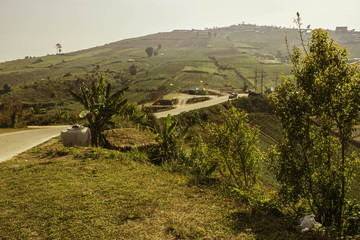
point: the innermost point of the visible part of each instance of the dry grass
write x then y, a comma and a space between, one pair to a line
10, 130
52, 192
127, 138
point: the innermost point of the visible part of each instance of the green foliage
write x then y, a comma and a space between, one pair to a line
6, 88
233, 144
202, 165
352, 219
254, 104
318, 113
10, 113
100, 108
167, 149
149, 51
58, 48
133, 70
37, 109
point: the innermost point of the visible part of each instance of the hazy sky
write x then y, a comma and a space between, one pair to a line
33, 27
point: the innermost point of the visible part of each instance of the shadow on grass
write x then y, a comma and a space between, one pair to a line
268, 225
258, 222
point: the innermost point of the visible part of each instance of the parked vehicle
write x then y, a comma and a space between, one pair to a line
233, 95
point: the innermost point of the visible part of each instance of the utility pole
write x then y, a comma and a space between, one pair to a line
262, 80
255, 81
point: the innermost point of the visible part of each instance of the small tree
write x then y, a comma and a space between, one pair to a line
133, 70
233, 144
159, 46
7, 88
58, 47
149, 51
12, 110
318, 112
100, 108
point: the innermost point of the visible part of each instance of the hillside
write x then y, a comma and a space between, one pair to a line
185, 59
57, 192
52, 192
236, 57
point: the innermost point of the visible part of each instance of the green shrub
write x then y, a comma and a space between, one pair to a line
233, 145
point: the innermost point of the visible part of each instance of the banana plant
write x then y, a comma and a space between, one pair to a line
167, 149
100, 108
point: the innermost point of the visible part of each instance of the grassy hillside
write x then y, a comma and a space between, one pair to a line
239, 56
52, 192
185, 60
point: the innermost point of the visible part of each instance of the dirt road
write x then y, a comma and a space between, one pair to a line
184, 108
14, 143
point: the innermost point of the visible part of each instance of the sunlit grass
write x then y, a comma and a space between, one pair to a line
52, 192
10, 130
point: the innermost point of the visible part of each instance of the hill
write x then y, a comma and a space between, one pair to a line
238, 56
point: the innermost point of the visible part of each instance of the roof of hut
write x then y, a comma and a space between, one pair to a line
127, 138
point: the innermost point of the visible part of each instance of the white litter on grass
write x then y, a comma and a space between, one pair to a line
308, 222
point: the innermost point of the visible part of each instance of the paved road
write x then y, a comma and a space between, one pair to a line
189, 107
14, 143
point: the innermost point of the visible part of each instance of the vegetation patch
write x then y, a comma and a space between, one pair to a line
196, 100
95, 193
200, 70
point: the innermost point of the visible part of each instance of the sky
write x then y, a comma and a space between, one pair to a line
34, 27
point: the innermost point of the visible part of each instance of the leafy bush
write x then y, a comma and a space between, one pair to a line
232, 144
201, 163
167, 149
100, 108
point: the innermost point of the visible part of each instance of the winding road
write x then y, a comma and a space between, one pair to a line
14, 143
185, 108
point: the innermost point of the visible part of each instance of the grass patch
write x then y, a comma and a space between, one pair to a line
91, 193
196, 100
10, 130
201, 70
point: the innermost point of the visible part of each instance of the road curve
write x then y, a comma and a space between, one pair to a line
14, 143
189, 107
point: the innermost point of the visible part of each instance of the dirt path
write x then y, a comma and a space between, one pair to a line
188, 107
14, 143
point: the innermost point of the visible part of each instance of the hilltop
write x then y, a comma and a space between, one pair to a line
238, 57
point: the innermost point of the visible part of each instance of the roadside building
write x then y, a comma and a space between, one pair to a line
341, 30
